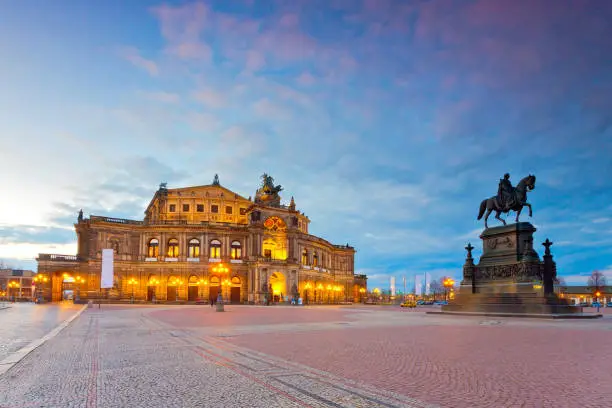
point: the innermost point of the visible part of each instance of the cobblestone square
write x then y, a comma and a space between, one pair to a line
250, 356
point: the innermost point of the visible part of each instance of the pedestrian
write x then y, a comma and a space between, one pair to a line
212, 301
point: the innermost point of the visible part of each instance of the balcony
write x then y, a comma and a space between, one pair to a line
95, 219
58, 258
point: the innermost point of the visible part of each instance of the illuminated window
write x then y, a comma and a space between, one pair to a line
304, 257
214, 208
228, 209
243, 211
315, 260
153, 248
173, 248
185, 207
200, 207
267, 253
236, 250
215, 249
172, 208
194, 248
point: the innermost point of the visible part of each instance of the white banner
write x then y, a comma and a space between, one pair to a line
106, 280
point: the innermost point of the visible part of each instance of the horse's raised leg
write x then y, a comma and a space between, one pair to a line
518, 213
497, 216
528, 205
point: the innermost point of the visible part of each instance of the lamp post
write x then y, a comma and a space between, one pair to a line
132, 282
361, 293
13, 285
220, 270
448, 283
78, 281
597, 295
39, 280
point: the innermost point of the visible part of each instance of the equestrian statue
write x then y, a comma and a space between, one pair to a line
508, 198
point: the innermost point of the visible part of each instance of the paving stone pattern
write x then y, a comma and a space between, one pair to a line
186, 356
21, 323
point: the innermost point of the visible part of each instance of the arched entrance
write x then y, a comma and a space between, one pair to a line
192, 288
152, 288
279, 286
67, 287
213, 288
235, 290
171, 288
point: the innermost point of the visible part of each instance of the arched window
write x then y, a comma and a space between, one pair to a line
153, 248
315, 260
194, 248
305, 257
215, 249
236, 252
173, 248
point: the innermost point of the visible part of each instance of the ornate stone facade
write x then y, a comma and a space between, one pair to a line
174, 253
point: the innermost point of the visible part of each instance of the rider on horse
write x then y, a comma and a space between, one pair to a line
505, 193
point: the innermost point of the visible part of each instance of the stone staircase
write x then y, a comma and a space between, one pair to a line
513, 303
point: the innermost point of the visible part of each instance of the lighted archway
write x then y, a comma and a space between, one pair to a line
279, 284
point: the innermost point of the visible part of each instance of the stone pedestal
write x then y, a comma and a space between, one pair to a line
509, 263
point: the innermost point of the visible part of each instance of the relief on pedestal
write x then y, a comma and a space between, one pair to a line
500, 242
519, 272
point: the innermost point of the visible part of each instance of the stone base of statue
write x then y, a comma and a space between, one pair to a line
510, 279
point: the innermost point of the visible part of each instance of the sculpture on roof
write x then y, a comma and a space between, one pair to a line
508, 198
267, 194
216, 180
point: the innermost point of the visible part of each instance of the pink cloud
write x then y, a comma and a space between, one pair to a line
194, 50
306, 78
254, 60
266, 108
289, 20
210, 98
132, 55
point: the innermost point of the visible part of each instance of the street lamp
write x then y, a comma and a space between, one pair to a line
13, 285
39, 280
78, 281
220, 270
132, 282
448, 283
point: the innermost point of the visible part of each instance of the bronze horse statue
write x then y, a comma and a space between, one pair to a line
519, 195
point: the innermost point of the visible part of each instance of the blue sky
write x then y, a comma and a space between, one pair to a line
388, 121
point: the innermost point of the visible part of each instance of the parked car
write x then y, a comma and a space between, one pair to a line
596, 304
409, 303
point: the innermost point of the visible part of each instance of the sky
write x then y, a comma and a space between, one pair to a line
388, 121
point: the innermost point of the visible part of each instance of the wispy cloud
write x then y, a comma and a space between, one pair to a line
132, 55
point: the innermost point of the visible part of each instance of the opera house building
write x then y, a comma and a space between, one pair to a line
196, 241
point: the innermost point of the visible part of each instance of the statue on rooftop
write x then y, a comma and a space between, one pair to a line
216, 180
508, 198
267, 194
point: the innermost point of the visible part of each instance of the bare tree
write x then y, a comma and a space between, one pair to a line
436, 287
597, 281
